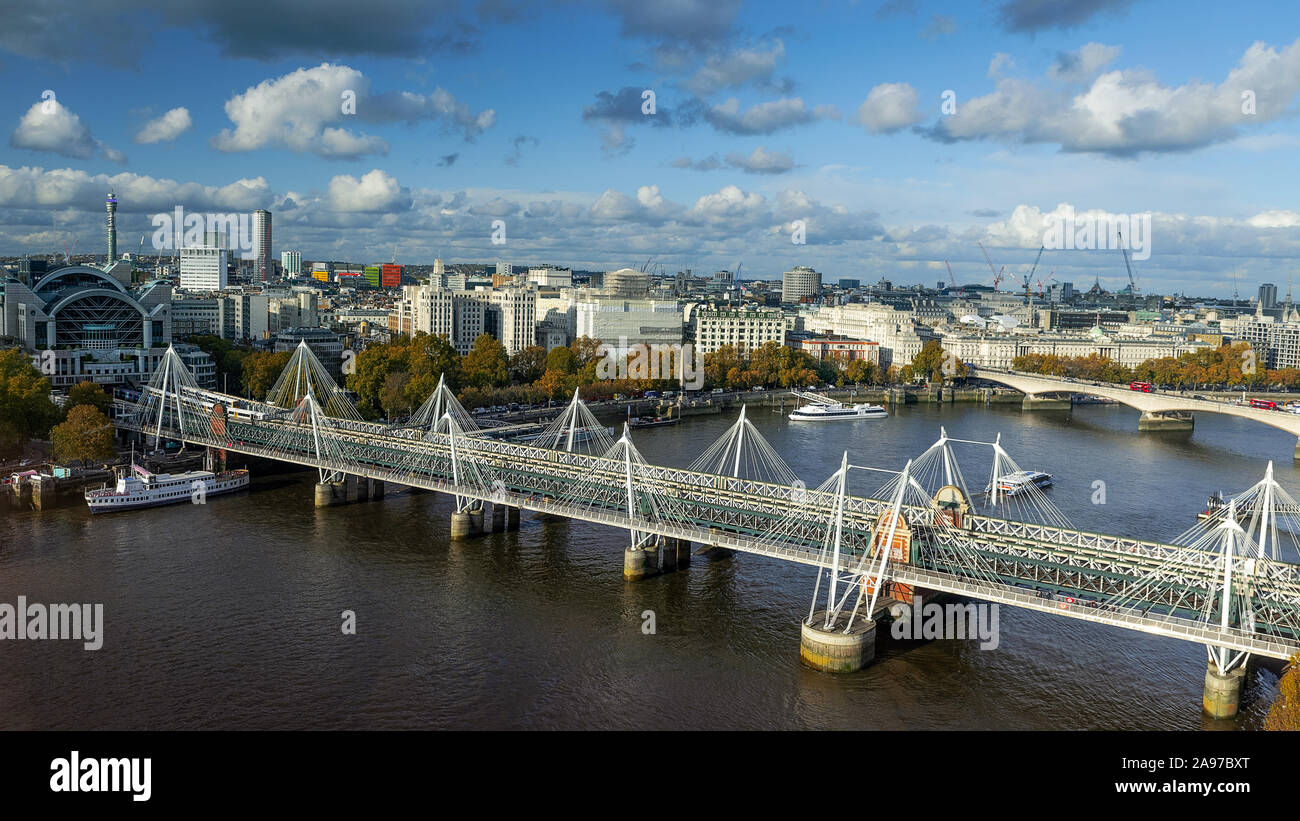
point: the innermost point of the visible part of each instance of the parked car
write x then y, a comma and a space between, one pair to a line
717, 391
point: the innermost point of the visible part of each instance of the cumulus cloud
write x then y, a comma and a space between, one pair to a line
35, 187
616, 111
766, 118
165, 128
376, 192
737, 68
1084, 64
761, 161
51, 126
889, 107
1124, 113
306, 110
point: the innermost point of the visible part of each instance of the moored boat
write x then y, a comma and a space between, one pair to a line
137, 488
824, 409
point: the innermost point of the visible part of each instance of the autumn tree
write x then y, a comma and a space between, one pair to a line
26, 411
88, 393
486, 364
528, 365
261, 369
86, 436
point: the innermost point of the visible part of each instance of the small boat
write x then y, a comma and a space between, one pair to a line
137, 488
824, 409
652, 421
1014, 484
1214, 508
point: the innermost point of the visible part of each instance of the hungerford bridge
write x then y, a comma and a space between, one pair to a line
1221, 584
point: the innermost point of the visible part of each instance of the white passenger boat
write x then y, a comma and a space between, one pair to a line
1013, 484
139, 488
824, 409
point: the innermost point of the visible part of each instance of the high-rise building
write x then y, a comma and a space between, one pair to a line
800, 283
110, 205
203, 268
262, 245
291, 262
1268, 295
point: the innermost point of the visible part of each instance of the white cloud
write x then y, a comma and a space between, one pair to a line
889, 107
376, 191
766, 118
1128, 112
165, 128
761, 161
308, 111
1084, 64
51, 126
736, 69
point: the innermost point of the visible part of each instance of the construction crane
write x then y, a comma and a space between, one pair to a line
997, 275
646, 267
1041, 283
1132, 284
1029, 277
956, 291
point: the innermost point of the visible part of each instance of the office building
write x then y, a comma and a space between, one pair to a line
262, 260
800, 284
291, 263
203, 268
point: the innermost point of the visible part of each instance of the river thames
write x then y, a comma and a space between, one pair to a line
227, 615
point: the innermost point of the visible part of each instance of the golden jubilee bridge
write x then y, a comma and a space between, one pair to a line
1227, 583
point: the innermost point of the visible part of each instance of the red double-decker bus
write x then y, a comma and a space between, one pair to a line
1266, 404
1145, 387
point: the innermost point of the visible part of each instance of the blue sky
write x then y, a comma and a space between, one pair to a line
767, 113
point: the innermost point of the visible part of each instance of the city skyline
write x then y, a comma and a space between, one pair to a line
368, 144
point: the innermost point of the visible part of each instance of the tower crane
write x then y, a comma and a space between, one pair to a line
997, 275
1132, 284
1030, 276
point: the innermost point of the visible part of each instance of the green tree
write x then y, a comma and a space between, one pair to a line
86, 436
528, 365
88, 393
486, 364
260, 371
26, 411
561, 360
431, 358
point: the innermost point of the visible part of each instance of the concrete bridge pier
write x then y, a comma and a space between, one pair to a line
462, 525
640, 562
512, 518
1223, 692
833, 650
329, 494
1165, 420
498, 517
476, 521
363, 488
1044, 401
